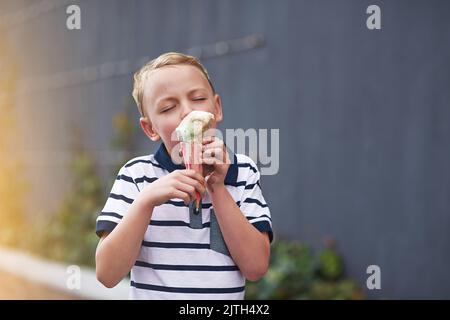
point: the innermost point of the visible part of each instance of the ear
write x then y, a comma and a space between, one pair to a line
218, 108
147, 126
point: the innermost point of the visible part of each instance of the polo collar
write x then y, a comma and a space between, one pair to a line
164, 159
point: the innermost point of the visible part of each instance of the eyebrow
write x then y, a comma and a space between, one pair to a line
197, 89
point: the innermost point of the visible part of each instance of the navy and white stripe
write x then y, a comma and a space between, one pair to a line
175, 260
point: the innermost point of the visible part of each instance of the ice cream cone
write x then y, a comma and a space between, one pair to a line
190, 133
191, 152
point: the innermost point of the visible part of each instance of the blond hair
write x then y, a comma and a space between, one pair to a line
166, 59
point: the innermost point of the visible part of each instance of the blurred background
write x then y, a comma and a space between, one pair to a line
364, 119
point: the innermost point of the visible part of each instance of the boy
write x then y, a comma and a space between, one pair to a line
147, 225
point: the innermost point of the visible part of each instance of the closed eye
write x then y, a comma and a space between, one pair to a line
199, 99
167, 109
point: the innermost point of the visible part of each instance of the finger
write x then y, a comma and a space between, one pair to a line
189, 173
213, 144
218, 146
216, 149
199, 186
183, 196
188, 189
211, 161
216, 153
208, 139
212, 153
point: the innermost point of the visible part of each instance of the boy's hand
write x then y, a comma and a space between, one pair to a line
215, 157
181, 184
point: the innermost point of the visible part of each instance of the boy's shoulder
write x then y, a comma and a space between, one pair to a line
242, 158
246, 165
140, 164
139, 160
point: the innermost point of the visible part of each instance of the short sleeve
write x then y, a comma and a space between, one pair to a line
253, 205
122, 195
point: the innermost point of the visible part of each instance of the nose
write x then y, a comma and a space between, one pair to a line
185, 109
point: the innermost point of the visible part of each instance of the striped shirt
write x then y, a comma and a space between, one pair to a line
178, 260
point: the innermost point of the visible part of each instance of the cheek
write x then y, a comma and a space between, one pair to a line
168, 131
211, 106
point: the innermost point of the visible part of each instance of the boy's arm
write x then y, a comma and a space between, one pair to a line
118, 250
249, 247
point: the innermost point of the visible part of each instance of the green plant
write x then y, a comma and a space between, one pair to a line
68, 235
297, 273
124, 139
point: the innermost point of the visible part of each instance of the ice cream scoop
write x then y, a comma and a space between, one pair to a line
192, 127
190, 134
